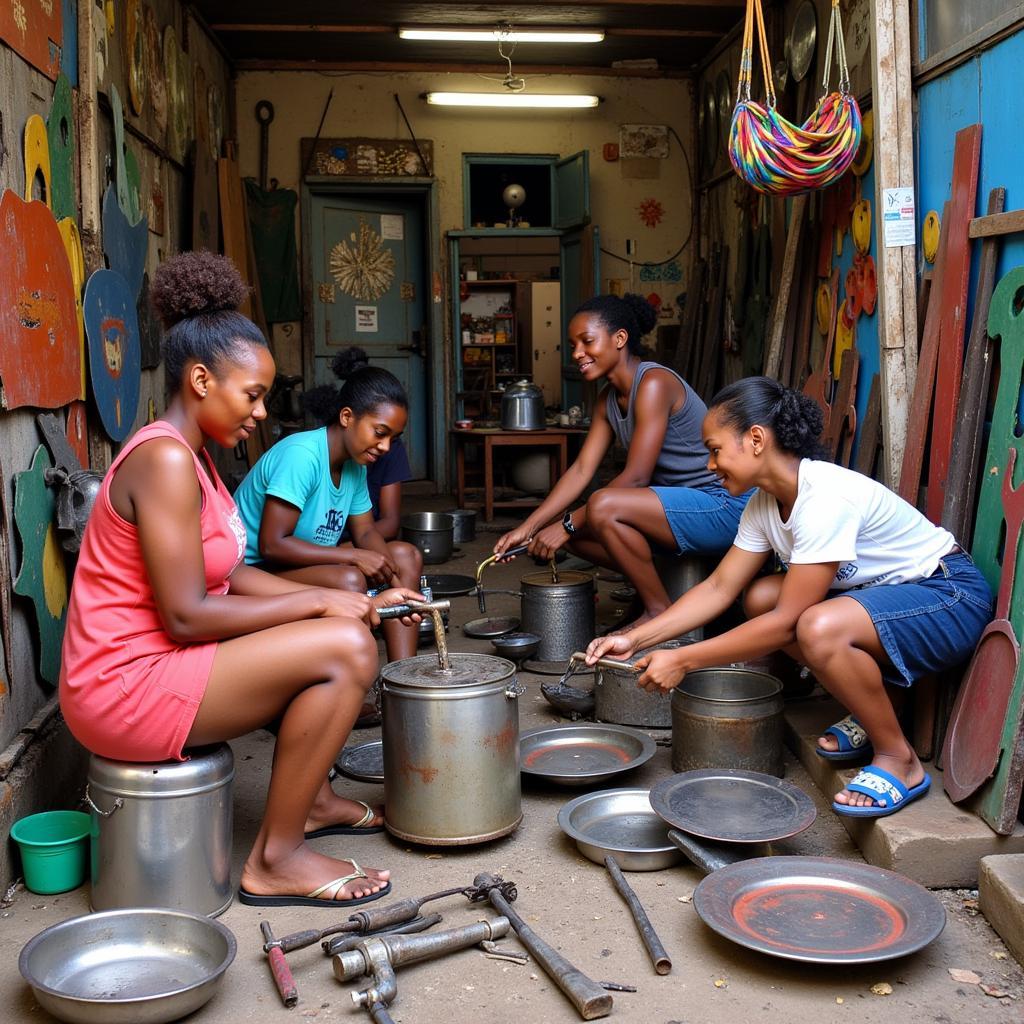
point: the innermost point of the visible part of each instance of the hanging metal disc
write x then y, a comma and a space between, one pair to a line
709, 128
723, 102
802, 38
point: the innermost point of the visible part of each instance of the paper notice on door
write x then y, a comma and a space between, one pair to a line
897, 217
366, 319
392, 226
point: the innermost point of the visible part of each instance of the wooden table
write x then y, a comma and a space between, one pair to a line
555, 439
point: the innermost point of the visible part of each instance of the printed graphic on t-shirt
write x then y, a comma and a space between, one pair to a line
237, 527
847, 570
328, 532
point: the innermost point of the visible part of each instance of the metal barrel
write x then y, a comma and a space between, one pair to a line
561, 614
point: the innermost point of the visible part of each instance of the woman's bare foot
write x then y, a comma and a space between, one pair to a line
905, 766
302, 871
330, 809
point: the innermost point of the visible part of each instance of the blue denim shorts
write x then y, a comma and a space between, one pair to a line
702, 519
930, 624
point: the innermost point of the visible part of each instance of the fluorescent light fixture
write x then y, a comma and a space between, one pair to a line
510, 99
493, 35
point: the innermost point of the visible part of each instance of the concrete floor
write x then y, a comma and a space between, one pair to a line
570, 902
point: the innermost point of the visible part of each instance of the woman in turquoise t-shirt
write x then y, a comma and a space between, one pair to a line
304, 493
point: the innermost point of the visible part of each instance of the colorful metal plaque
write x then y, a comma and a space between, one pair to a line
112, 330
60, 135
37, 160
125, 244
135, 49
34, 29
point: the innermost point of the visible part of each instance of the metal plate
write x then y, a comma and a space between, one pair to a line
819, 909
620, 822
708, 118
802, 37
723, 101
364, 762
732, 806
544, 668
490, 627
577, 755
450, 585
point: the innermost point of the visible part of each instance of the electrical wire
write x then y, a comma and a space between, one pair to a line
689, 232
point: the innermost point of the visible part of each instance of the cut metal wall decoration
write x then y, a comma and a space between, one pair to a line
652, 213
34, 29
363, 269
360, 156
60, 136
155, 71
135, 50
37, 160
124, 243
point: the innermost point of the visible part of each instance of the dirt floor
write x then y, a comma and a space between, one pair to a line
571, 903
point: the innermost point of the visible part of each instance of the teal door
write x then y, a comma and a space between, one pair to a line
369, 290
581, 280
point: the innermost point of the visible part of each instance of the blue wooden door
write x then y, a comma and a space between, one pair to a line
369, 290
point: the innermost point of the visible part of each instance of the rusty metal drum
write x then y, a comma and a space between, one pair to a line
618, 699
727, 718
451, 749
560, 613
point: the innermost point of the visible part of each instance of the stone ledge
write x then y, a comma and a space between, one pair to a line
1001, 896
932, 840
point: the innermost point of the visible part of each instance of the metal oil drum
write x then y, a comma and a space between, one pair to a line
618, 699
161, 832
561, 614
727, 718
451, 749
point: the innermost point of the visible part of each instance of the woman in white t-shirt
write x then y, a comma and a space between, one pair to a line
873, 594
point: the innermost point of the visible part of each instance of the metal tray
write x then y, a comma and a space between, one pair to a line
819, 909
620, 822
364, 762
732, 806
545, 668
584, 753
490, 627
450, 584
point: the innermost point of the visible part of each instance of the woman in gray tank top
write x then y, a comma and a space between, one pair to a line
665, 497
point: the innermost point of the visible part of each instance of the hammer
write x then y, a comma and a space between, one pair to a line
589, 998
279, 967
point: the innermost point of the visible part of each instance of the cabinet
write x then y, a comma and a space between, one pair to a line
546, 338
489, 336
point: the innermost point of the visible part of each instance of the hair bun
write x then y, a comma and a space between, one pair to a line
196, 284
646, 315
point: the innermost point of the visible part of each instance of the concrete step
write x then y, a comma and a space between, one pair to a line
931, 840
1001, 896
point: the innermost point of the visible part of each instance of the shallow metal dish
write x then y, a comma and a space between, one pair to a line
138, 966
733, 806
490, 627
620, 822
450, 584
364, 762
819, 910
516, 645
584, 753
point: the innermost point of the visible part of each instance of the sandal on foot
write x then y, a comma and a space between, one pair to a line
888, 792
852, 740
362, 827
317, 897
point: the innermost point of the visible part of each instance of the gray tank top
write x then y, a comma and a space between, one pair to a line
683, 460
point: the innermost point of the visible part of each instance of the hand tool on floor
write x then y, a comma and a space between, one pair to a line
589, 998
398, 611
370, 919
659, 956
380, 957
343, 943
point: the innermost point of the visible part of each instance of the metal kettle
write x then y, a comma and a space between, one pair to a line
522, 407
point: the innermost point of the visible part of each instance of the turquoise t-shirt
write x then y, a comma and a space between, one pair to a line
298, 470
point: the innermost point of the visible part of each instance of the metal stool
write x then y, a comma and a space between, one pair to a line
161, 832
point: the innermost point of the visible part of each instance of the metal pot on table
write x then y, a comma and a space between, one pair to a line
522, 407
432, 532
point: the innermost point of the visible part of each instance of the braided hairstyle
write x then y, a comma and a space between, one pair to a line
793, 417
366, 389
631, 313
196, 295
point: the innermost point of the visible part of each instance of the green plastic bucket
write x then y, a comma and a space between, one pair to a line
54, 850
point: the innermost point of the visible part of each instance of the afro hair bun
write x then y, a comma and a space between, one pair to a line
194, 284
646, 315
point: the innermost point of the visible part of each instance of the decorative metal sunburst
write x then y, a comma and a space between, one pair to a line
364, 269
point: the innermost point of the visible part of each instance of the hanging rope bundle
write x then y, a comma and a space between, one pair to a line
773, 155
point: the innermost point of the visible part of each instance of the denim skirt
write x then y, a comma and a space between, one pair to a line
931, 624
703, 520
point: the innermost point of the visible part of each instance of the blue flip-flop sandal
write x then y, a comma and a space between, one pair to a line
852, 740
888, 792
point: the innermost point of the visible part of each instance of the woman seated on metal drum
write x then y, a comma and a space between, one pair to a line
665, 497
303, 494
172, 641
873, 595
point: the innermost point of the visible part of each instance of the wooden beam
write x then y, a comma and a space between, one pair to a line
894, 168
486, 69
1009, 223
784, 292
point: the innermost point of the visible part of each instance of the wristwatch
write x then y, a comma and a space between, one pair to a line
567, 523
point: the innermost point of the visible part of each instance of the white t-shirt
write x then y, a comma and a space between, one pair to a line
846, 517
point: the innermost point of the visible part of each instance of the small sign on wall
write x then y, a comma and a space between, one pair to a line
898, 217
366, 319
392, 226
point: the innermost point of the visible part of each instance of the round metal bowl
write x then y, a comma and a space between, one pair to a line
584, 753
620, 822
516, 645
138, 966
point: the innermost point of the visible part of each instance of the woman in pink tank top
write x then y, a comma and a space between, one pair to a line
173, 641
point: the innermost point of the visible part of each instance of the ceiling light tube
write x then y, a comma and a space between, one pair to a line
491, 35
511, 99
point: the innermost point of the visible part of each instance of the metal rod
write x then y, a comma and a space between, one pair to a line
343, 943
398, 611
609, 663
657, 952
412, 135
481, 596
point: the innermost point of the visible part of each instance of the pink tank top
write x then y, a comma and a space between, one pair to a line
127, 690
